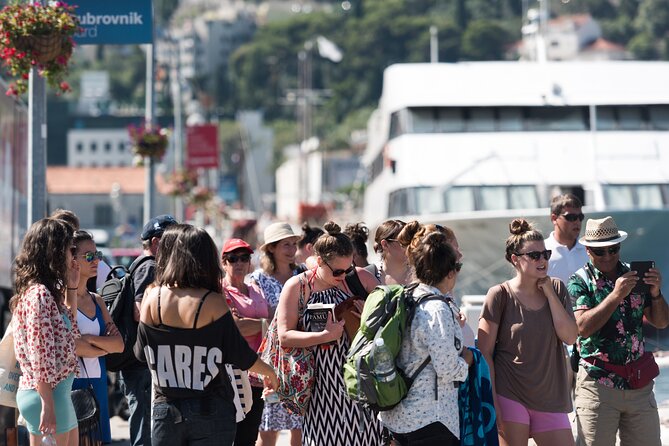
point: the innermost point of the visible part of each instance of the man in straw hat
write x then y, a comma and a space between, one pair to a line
614, 385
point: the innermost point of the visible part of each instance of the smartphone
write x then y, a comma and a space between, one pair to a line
641, 268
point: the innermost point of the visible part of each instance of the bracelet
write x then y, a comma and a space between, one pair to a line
72, 289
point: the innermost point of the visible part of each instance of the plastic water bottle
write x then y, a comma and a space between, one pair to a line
48, 440
384, 363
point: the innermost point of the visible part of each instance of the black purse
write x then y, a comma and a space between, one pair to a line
87, 408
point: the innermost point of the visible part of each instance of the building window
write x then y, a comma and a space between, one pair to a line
107, 147
80, 147
102, 215
121, 146
94, 147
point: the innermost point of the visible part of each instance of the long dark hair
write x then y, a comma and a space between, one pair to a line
43, 259
187, 258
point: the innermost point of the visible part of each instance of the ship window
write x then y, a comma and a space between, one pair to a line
428, 201
523, 197
424, 120
395, 125
398, 203
619, 196
649, 196
659, 117
451, 120
510, 119
459, 199
555, 118
630, 118
481, 120
493, 198
606, 119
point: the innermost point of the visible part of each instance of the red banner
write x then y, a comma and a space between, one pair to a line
202, 146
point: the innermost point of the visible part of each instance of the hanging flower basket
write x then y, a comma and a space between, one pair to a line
201, 196
181, 182
39, 36
148, 141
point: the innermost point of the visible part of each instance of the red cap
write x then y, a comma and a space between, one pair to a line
234, 244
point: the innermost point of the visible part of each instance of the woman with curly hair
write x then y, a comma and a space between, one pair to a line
305, 244
525, 322
358, 233
394, 267
46, 281
331, 418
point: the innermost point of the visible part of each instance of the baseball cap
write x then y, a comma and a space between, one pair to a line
236, 243
156, 226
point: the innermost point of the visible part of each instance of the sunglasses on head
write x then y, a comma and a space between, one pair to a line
612, 250
244, 258
536, 255
90, 256
574, 217
338, 272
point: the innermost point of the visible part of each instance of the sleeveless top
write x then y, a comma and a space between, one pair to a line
90, 367
189, 362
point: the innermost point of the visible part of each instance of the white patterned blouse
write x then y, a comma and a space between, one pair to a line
433, 332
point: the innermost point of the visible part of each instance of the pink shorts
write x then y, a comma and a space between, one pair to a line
515, 412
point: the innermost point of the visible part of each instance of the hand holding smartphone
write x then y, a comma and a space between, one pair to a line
641, 268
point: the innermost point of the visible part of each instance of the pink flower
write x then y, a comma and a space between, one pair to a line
605, 381
620, 327
635, 343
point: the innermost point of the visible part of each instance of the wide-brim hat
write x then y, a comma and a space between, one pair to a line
602, 232
277, 232
234, 244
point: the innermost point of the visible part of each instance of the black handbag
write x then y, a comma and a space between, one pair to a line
88, 414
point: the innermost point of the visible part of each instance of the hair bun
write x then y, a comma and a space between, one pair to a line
519, 226
332, 228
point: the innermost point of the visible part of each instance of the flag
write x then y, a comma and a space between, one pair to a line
328, 50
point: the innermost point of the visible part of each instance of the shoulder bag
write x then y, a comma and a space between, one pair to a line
10, 371
88, 414
294, 366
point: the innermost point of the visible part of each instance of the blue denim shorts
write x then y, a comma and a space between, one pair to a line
205, 421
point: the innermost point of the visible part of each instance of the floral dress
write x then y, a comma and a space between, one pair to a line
274, 417
332, 418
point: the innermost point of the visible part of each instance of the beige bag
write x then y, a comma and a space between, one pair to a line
10, 372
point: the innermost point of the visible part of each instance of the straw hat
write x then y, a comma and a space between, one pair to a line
277, 232
602, 232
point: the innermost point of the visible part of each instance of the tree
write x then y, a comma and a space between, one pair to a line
653, 18
643, 47
485, 40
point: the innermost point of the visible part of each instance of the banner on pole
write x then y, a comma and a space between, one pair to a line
118, 22
202, 146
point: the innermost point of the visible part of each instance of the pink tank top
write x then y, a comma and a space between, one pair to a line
253, 306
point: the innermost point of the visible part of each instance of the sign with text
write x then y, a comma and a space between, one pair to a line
118, 22
202, 146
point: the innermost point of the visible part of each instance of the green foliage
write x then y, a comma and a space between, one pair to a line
643, 47
485, 40
653, 18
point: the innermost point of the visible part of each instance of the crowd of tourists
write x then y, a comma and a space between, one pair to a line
202, 372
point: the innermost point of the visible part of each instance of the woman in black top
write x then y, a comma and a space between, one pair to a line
186, 335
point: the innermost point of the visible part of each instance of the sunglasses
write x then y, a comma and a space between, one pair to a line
339, 272
573, 217
599, 252
244, 258
90, 256
536, 255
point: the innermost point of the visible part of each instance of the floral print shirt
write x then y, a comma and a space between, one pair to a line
432, 397
43, 343
620, 341
270, 287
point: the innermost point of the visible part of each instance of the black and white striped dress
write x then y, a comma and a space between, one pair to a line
333, 419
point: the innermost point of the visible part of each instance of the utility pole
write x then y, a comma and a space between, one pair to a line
149, 162
36, 147
175, 76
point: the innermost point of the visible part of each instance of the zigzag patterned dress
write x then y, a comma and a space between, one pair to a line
332, 419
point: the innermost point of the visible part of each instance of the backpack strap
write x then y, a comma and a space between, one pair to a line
136, 264
355, 285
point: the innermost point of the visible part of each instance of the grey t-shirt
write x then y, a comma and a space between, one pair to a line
530, 364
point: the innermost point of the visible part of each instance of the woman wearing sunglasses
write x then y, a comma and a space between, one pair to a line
331, 417
99, 336
523, 325
46, 281
250, 311
394, 267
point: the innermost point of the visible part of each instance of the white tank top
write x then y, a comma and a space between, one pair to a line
88, 367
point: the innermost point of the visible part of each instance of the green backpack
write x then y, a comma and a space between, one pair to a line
387, 314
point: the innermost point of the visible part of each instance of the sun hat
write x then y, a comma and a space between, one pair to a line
277, 232
156, 226
602, 232
234, 244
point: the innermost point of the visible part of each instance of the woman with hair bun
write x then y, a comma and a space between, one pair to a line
429, 414
305, 244
394, 268
331, 417
358, 233
525, 322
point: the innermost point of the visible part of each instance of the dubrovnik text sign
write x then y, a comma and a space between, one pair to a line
117, 22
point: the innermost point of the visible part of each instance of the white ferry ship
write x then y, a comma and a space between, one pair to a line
473, 145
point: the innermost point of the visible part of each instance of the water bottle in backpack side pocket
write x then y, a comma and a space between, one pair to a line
384, 362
